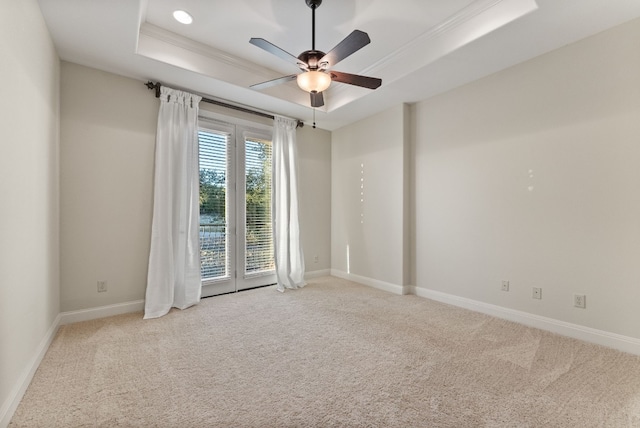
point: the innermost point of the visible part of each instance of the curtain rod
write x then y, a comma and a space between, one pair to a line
156, 86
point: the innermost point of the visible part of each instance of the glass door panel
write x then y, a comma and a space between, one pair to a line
257, 262
216, 241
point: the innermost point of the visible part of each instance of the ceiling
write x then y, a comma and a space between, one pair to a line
419, 48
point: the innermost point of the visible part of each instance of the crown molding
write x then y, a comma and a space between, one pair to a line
470, 23
168, 47
475, 10
181, 42
476, 20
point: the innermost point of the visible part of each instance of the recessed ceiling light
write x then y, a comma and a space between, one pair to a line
182, 17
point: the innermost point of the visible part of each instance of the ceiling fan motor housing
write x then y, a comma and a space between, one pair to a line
311, 60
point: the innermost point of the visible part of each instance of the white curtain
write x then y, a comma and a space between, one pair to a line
173, 279
286, 230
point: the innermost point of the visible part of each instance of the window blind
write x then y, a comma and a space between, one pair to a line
259, 237
214, 236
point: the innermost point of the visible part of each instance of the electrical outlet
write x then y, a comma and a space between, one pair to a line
102, 286
505, 285
537, 293
316, 259
580, 301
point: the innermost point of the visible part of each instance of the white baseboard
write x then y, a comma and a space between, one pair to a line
101, 312
15, 396
317, 273
575, 331
380, 285
11, 404
587, 334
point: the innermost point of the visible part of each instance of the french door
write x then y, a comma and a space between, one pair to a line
236, 246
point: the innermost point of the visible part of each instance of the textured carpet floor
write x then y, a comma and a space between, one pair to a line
331, 354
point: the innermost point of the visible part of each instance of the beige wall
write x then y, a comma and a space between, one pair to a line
29, 188
108, 128
531, 175
369, 199
314, 171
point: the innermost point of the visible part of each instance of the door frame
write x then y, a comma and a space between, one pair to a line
238, 129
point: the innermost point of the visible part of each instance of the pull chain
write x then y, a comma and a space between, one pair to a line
314, 118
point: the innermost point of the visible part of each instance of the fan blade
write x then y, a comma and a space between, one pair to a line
350, 44
273, 49
317, 99
355, 79
274, 82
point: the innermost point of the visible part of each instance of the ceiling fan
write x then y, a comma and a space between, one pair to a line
316, 76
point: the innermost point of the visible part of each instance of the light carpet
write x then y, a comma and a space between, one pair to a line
333, 354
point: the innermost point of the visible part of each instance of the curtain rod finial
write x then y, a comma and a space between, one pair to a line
150, 85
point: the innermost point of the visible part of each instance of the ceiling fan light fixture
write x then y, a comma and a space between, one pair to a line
183, 17
314, 81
